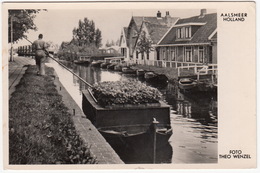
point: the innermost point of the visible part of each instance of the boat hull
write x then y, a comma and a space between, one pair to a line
155, 78
82, 62
126, 115
187, 84
104, 65
140, 73
132, 130
96, 64
146, 147
126, 70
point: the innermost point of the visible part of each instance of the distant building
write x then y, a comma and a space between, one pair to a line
109, 50
190, 41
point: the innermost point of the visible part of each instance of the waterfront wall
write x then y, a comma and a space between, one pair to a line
87, 131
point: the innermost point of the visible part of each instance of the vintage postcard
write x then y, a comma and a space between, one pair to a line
129, 85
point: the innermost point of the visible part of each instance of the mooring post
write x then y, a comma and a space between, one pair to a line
155, 122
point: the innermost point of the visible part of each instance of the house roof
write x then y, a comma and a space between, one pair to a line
157, 27
126, 35
154, 20
156, 31
200, 36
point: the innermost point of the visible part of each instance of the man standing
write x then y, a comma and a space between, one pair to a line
39, 47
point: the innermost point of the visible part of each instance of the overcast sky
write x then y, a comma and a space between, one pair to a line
57, 25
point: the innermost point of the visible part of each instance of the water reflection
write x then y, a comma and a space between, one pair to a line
193, 116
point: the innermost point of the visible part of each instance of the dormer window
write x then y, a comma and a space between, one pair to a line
187, 32
184, 32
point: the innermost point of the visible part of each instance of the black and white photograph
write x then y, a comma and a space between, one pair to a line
130, 85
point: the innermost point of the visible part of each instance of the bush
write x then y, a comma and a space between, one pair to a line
125, 92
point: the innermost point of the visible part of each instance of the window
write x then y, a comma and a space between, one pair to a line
164, 55
173, 54
188, 54
136, 54
187, 32
201, 54
179, 33
184, 32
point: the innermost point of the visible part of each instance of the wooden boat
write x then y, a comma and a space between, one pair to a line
148, 124
187, 84
96, 63
111, 66
155, 78
83, 60
127, 70
104, 64
118, 67
140, 72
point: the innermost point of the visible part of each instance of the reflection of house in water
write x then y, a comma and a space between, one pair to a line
184, 108
96, 75
197, 106
90, 75
75, 79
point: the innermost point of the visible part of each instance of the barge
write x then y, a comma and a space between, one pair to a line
133, 126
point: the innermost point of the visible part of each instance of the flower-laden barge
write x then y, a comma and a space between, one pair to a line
133, 113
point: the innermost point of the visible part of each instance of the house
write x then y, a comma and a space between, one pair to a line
190, 41
124, 43
137, 24
109, 50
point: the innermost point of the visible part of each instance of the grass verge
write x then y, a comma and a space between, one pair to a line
41, 130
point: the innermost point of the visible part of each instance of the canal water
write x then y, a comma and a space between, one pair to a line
194, 118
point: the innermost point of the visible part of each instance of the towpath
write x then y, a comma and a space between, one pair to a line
90, 135
16, 70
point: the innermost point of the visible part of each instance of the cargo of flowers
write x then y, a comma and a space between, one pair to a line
125, 93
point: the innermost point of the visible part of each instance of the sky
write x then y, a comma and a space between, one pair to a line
57, 25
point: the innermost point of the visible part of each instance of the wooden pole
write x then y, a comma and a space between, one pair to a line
88, 84
155, 122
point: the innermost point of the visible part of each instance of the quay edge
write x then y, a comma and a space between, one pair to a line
103, 152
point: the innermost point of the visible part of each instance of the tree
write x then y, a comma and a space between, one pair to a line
86, 34
144, 45
98, 38
22, 21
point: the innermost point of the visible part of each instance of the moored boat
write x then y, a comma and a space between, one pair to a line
127, 70
155, 78
82, 60
187, 84
104, 64
96, 63
111, 66
118, 67
145, 122
140, 72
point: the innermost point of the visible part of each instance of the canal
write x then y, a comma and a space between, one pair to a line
194, 118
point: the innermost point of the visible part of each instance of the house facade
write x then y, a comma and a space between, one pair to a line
154, 27
124, 44
190, 41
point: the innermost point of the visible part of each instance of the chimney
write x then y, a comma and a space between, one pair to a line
203, 12
159, 14
168, 19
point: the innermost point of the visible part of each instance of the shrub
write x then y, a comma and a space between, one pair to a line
125, 92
